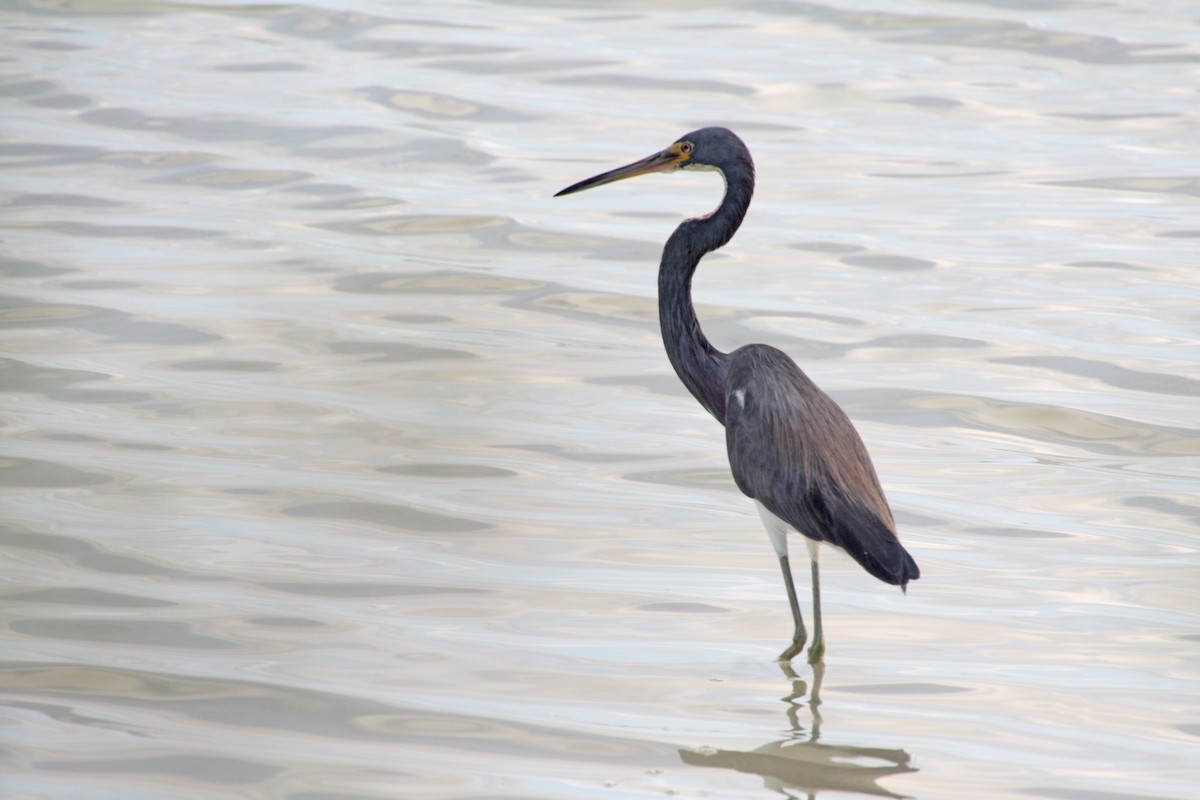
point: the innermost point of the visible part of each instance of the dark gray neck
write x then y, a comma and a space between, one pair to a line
698, 364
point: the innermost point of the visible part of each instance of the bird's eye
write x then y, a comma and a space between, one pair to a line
686, 148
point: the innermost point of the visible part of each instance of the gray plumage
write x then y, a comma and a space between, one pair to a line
791, 447
794, 450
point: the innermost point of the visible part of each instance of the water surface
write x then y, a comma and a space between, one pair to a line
343, 461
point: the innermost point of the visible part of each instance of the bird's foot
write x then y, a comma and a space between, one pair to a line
816, 653
793, 650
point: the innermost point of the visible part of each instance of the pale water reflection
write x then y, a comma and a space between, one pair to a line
803, 763
342, 461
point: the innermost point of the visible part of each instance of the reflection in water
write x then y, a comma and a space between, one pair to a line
340, 461
800, 762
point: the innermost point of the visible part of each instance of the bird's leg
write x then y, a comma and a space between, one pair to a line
801, 635
816, 653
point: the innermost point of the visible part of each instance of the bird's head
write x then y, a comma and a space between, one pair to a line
717, 149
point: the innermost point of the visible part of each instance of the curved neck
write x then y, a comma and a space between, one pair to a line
698, 364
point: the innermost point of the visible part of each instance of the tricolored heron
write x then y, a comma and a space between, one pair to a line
791, 447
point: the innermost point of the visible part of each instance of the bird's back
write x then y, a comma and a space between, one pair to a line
793, 449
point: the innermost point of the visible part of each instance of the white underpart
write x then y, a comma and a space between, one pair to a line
778, 530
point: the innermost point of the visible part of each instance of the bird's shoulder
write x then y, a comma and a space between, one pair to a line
764, 382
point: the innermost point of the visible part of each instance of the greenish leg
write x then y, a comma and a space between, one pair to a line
801, 635
816, 653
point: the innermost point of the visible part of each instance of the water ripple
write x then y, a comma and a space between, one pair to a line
343, 459
1111, 374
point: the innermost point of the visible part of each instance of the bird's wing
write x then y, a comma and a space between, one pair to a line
792, 448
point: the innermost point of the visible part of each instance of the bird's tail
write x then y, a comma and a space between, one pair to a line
873, 544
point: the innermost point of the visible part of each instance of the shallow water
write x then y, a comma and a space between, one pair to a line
343, 461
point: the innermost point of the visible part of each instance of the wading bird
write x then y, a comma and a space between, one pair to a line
791, 447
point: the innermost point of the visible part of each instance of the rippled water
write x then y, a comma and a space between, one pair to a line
342, 461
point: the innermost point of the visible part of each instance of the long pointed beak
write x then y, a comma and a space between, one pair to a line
662, 161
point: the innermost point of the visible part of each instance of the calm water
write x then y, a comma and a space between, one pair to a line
342, 461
